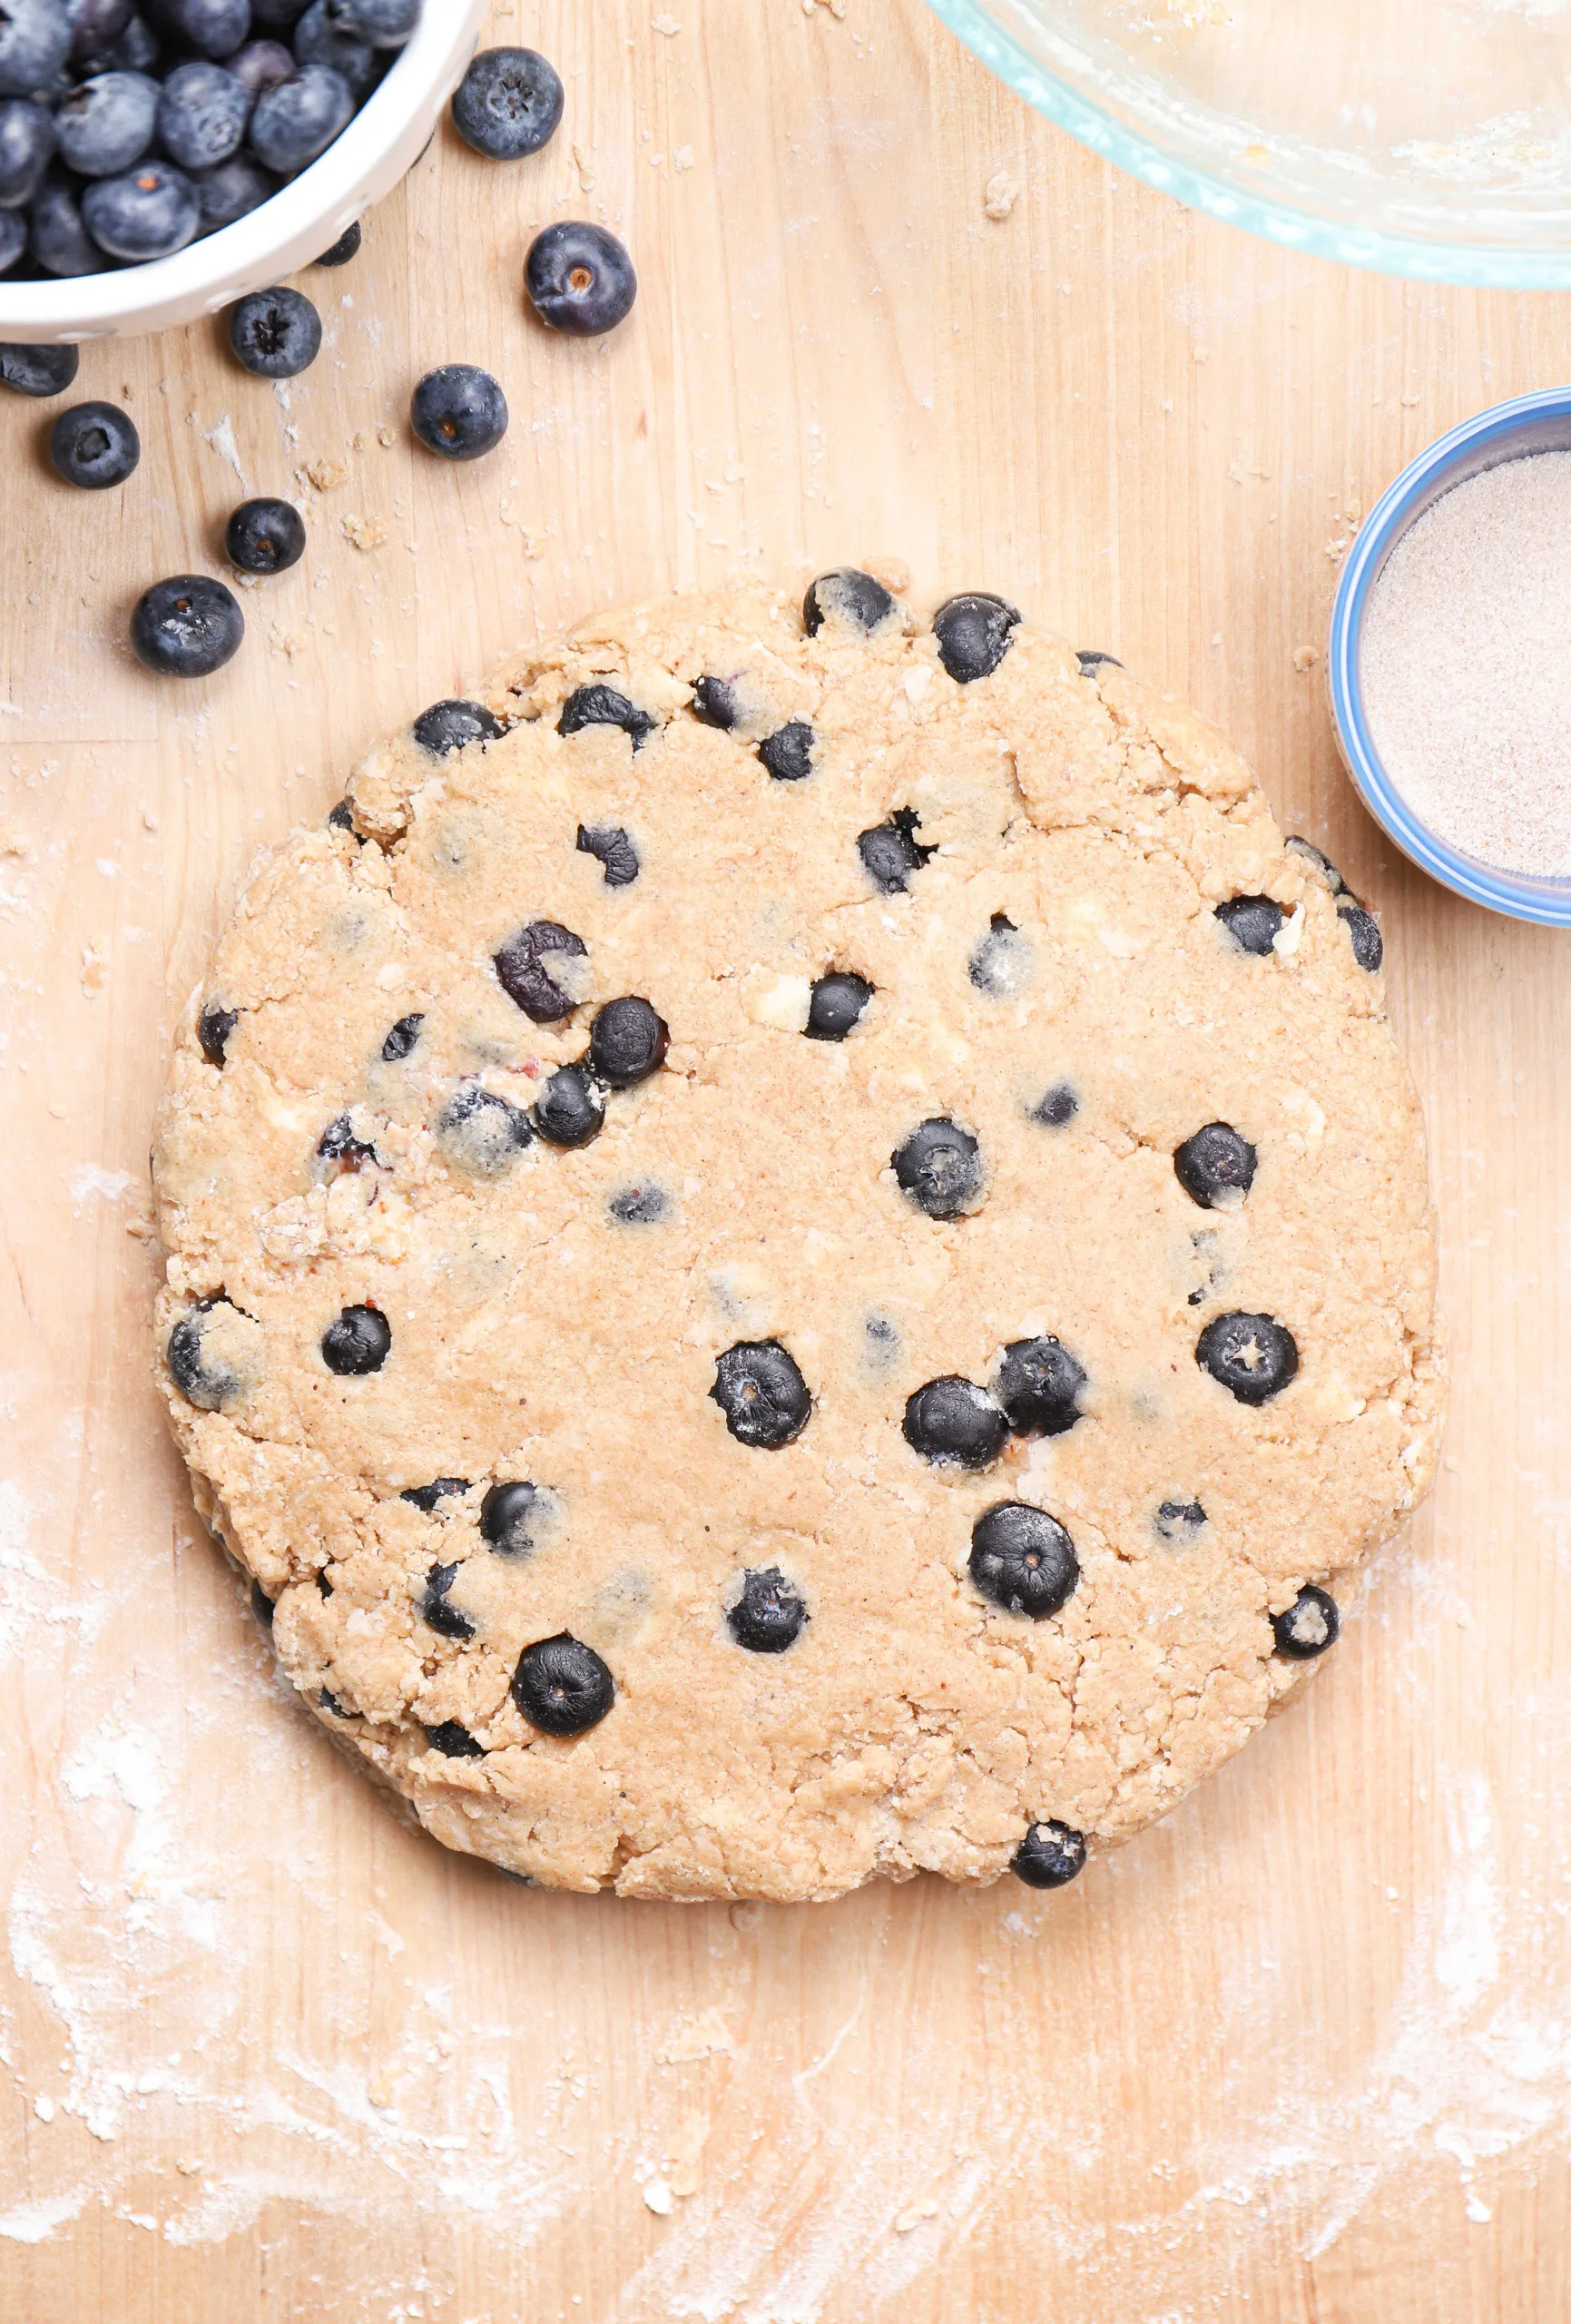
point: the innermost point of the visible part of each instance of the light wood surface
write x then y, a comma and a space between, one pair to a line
1302, 2055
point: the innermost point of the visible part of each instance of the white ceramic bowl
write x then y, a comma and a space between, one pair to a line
305, 218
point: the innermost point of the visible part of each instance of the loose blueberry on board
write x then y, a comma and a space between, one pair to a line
1022, 1560
1093, 661
265, 537
448, 725
1050, 1855
508, 1515
27, 149
617, 855
714, 703
955, 1424
1040, 1384
186, 628
580, 279
95, 445
233, 190
321, 39
845, 596
525, 967
1252, 1356
1179, 1520
836, 1005
1057, 1108
60, 243
890, 851
149, 212
402, 1039
1310, 1624
203, 112
356, 1342
277, 334
35, 43
95, 26
428, 1499
1216, 1167
345, 248
939, 1166
628, 1041
481, 1133
571, 1108
765, 1400
509, 103
642, 1205
298, 118
214, 1027
215, 1355
454, 1740
1253, 922
562, 1686
768, 1616
259, 66
1364, 933
974, 633
601, 705
459, 412
1000, 961
1321, 865
211, 27
105, 126
447, 1622
787, 755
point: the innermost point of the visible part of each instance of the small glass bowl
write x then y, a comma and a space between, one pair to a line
1507, 431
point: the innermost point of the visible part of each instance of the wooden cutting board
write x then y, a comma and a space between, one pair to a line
1304, 2052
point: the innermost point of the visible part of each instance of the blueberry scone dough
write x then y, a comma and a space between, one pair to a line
798, 1249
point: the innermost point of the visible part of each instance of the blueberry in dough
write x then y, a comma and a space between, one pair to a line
1179, 1520
482, 1132
454, 1740
759, 1389
999, 960
836, 1005
359, 1341
768, 1615
508, 1515
974, 633
849, 597
428, 1498
891, 851
341, 818
954, 1424
215, 1355
1022, 1560
562, 1686
571, 1108
448, 725
1038, 1384
526, 966
1216, 1167
1321, 865
1364, 933
714, 703
617, 855
214, 1027
1050, 1855
1094, 661
640, 1205
627, 1041
1253, 922
1253, 1356
601, 705
787, 755
338, 1144
939, 1166
261, 1605
1058, 1108
435, 1611
1310, 1624
402, 1039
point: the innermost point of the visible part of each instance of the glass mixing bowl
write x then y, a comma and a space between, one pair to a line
1427, 137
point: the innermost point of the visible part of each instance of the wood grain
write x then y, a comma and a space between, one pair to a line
1300, 2055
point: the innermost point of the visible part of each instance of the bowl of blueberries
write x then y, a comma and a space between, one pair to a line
159, 159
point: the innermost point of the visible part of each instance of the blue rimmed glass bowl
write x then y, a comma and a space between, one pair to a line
1507, 431
1427, 137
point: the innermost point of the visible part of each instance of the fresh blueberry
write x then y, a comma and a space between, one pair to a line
955, 1424
94, 445
35, 43
1022, 1560
508, 1515
402, 1040
386, 24
12, 239
507, 104
481, 1132
579, 278
233, 190
265, 537
322, 40
300, 118
853, 599
259, 66
714, 703
137, 50
454, 1740
1253, 922
277, 334
106, 124
95, 26
448, 725
939, 1166
346, 247
1058, 1108
428, 1499
640, 1205
1253, 1356
447, 1622
1050, 1855
1321, 865
529, 965
1093, 661
60, 241
762, 1393
458, 411
562, 1686
571, 1108
768, 1615
627, 1041
974, 633
203, 112
787, 755
836, 1005
1000, 961
357, 1341
150, 212
1040, 1384
37, 370
186, 628
338, 1144
1216, 1167
214, 1357
1364, 933
614, 851
891, 851
601, 705
208, 27
1310, 1625
1179, 1520
27, 149
277, 16
214, 1027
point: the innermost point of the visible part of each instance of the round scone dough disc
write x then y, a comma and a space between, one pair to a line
798, 1249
